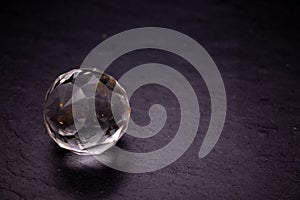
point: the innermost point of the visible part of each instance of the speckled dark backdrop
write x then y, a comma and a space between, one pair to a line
254, 44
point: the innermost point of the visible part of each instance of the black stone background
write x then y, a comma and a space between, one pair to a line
255, 44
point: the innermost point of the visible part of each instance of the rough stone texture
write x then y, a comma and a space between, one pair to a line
255, 46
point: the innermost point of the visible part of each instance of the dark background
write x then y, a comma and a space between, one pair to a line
255, 44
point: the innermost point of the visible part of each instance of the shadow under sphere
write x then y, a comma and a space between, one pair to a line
84, 175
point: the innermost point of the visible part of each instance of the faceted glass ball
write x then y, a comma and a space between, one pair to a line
98, 98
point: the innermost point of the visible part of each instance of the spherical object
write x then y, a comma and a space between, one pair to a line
93, 90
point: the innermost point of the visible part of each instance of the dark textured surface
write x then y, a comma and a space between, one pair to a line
256, 47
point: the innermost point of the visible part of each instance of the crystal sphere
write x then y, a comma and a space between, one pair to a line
75, 129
